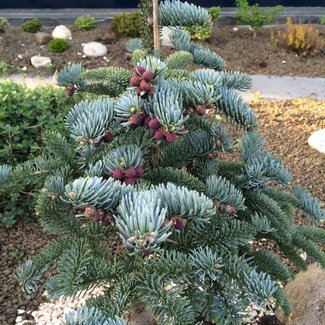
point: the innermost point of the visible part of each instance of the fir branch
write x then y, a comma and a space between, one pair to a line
309, 204
268, 262
231, 104
111, 81
176, 13
167, 305
90, 316
163, 175
221, 190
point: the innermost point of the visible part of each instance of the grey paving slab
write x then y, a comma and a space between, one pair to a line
266, 87
273, 87
52, 17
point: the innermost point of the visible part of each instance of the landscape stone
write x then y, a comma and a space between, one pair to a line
306, 295
40, 61
62, 32
317, 140
42, 38
94, 49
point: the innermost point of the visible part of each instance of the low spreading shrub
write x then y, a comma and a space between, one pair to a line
322, 20
26, 115
255, 16
301, 39
85, 23
3, 25
58, 45
32, 26
127, 24
199, 33
214, 12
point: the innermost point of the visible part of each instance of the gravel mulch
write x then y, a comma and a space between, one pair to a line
286, 125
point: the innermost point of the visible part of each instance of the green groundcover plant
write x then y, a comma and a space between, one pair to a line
25, 118
155, 204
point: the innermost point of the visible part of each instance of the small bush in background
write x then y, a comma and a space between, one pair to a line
255, 16
214, 12
198, 32
3, 25
322, 20
85, 23
127, 24
301, 39
57, 45
24, 118
32, 26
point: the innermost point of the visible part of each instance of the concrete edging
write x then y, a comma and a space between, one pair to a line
52, 17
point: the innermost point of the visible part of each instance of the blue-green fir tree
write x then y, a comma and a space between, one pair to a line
153, 198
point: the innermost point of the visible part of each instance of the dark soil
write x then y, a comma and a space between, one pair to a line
241, 51
17, 244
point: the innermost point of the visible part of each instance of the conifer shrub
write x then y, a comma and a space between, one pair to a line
32, 26
255, 16
127, 24
155, 205
3, 25
214, 12
58, 45
85, 23
301, 39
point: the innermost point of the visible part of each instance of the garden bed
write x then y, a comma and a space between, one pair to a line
241, 51
285, 125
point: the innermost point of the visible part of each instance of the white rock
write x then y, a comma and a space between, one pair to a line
40, 61
165, 33
317, 140
62, 31
94, 49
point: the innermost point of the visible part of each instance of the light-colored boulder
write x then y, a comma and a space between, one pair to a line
94, 49
62, 31
306, 295
42, 38
40, 61
317, 140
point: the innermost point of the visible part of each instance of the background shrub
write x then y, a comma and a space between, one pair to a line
32, 26
24, 118
255, 16
85, 22
301, 39
58, 45
3, 25
127, 24
214, 12
322, 20
199, 33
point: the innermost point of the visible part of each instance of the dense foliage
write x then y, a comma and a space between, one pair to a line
127, 24
157, 204
58, 45
301, 39
32, 26
3, 25
85, 22
24, 118
255, 16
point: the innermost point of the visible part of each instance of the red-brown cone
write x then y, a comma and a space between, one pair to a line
171, 137
70, 90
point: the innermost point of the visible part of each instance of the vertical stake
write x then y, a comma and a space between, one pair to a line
155, 18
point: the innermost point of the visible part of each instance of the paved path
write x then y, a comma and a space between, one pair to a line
266, 87
273, 87
53, 17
